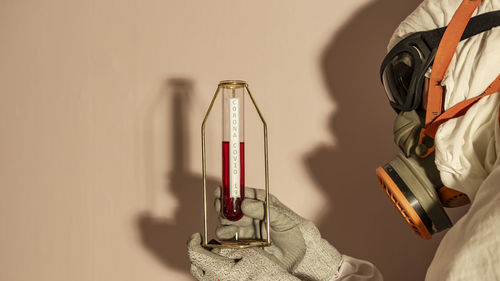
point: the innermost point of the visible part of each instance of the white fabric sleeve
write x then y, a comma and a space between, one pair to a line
353, 269
470, 250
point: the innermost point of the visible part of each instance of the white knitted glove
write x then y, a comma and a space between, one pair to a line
297, 243
233, 265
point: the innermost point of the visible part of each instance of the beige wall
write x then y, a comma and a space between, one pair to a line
100, 108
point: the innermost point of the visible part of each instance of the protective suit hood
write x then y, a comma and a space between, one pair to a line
467, 147
465, 150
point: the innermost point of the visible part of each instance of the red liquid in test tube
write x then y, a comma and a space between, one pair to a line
233, 153
231, 209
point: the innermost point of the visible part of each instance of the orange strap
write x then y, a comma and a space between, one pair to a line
444, 54
461, 108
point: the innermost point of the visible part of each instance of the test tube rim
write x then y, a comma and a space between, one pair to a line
233, 83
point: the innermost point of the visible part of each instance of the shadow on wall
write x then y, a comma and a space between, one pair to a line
166, 239
360, 220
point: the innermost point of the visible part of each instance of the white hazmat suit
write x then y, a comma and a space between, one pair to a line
467, 147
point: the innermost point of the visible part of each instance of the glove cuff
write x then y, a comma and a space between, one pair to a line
321, 261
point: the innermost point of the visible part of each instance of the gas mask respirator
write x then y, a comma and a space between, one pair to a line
412, 182
411, 179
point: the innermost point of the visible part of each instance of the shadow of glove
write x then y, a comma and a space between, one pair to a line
233, 265
297, 243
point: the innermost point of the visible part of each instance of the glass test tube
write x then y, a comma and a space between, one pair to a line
233, 152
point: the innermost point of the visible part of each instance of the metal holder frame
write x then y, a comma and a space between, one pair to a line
236, 243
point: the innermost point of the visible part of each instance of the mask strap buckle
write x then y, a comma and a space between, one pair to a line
461, 108
425, 145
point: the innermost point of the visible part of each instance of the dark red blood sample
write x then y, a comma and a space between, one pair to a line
232, 210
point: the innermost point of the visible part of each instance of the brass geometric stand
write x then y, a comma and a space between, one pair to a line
235, 243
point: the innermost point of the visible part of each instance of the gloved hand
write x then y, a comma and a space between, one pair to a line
297, 243
233, 265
